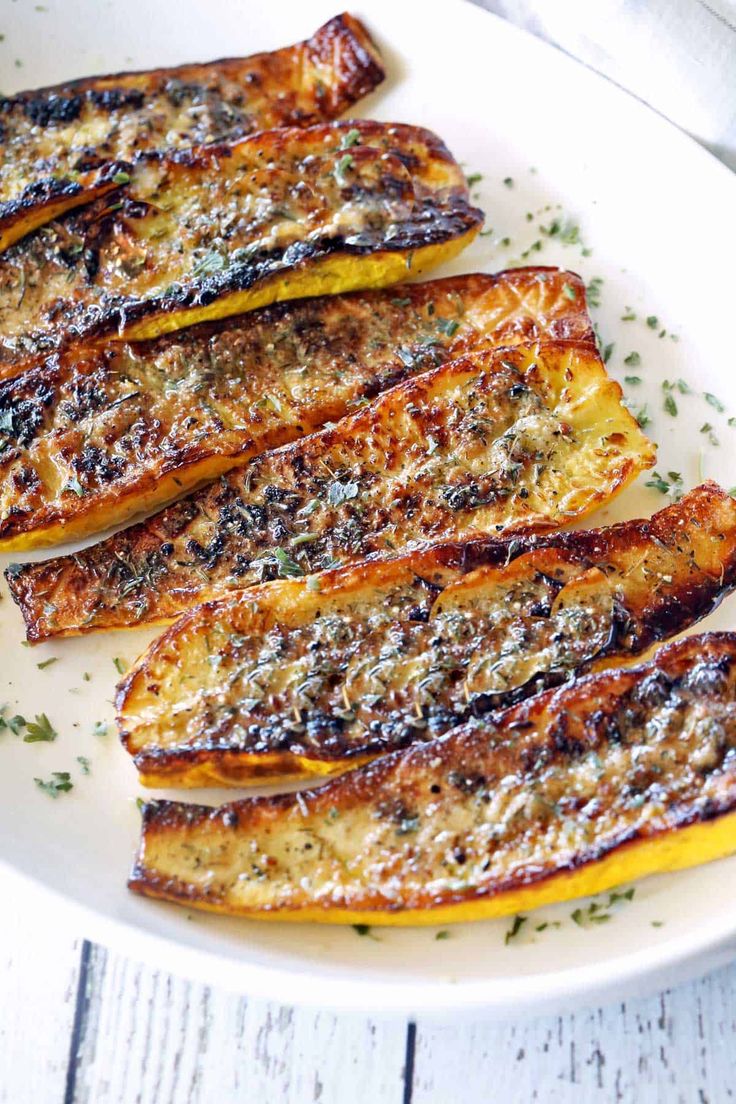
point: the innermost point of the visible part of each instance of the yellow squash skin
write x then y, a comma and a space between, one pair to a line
616, 776
209, 398
78, 130
293, 679
497, 441
202, 234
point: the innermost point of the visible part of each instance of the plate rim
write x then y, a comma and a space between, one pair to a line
679, 957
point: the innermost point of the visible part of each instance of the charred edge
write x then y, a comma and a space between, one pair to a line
673, 661
63, 103
49, 190
587, 545
435, 224
657, 622
361, 51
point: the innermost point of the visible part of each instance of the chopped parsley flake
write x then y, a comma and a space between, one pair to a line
342, 166
47, 663
652, 322
60, 782
288, 568
624, 895
120, 665
569, 292
341, 492
75, 487
362, 929
508, 181
567, 231
121, 178
593, 290
714, 402
516, 926
15, 724
633, 380
83, 763
707, 430
670, 405
474, 178
40, 732
671, 486
633, 360
351, 139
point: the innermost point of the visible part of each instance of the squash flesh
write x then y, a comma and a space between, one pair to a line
206, 233
497, 441
208, 399
117, 117
621, 774
289, 681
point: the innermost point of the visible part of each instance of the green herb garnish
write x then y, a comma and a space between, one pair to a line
448, 326
671, 486
351, 139
516, 926
341, 492
40, 732
342, 166
288, 568
60, 782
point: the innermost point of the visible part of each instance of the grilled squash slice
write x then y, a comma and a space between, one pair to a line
89, 438
618, 775
292, 679
202, 234
499, 441
59, 144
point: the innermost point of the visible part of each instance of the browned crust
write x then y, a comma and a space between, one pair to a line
559, 717
50, 196
76, 575
93, 299
51, 382
644, 620
344, 37
342, 46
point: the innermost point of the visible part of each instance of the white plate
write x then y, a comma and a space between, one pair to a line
657, 213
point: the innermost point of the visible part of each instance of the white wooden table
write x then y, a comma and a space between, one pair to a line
79, 1023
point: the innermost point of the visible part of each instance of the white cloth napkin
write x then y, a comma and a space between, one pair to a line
679, 56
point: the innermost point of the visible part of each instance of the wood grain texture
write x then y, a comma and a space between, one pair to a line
39, 973
144, 1037
155, 1039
